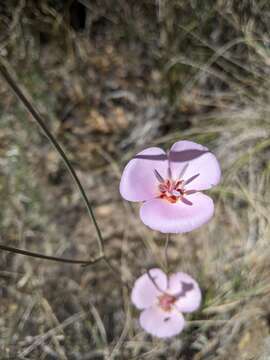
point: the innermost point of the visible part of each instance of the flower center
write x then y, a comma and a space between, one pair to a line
166, 301
171, 190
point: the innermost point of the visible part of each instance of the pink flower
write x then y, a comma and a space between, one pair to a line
163, 299
170, 186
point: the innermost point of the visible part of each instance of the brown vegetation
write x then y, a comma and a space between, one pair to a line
110, 78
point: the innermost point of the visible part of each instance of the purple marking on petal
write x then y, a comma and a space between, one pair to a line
186, 155
152, 278
187, 292
186, 287
151, 157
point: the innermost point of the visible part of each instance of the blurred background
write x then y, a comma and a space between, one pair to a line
111, 78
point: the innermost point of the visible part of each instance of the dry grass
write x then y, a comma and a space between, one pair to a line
111, 80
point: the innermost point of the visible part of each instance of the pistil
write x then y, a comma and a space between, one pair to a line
166, 301
172, 190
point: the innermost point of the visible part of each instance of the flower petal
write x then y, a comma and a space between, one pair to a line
139, 182
161, 323
166, 217
144, 293
187, 290
200, 161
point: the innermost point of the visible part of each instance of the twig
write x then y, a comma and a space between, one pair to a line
39, 340
153, 281
39, 120
47, 257
116, 350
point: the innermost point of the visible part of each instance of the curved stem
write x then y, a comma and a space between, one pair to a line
47, 257
65, 260
37, 117
153, 281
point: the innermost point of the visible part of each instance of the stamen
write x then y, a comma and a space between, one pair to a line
166, 302
182, 172
158, 176
190, 192
174, 190
191, 179
186, 201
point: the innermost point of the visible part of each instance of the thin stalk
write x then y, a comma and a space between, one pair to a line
47, 257
153, 281
39, 120
166, 252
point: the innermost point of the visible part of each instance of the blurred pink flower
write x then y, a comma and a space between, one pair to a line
163, 299
169, 185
